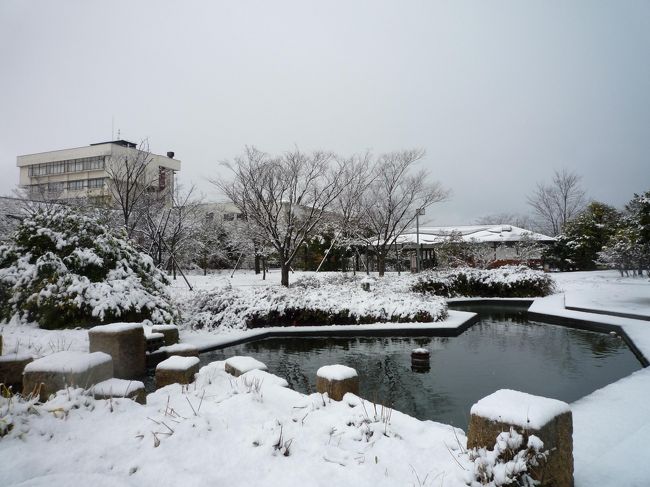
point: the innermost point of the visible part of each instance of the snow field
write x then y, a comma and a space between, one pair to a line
226, 431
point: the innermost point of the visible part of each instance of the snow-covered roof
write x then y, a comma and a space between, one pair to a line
471, 233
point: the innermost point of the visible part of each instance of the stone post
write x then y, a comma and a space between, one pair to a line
337, 380
170, 333
239, 365
548, 419
176, 370
126, 343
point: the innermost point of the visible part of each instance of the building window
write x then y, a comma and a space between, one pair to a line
96, 183
71, 165
77, 185
55, 187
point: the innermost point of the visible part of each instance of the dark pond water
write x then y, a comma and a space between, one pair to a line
503, 350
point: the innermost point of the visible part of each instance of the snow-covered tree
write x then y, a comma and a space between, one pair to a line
211, 243
169, 233
628, 249
583, 237
62, 269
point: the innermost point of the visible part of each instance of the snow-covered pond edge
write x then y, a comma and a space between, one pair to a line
636, 333
455, 324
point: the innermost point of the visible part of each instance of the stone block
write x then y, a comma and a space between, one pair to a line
240, 365
120, 388
170, 333
337, 380
155, 341
549, 419
154, 358
11, 370
181, 349
176, 370
126, 343
54, 372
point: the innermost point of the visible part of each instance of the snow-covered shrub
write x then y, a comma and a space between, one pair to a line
17, 411
62, 269
511, 462
503, 282
240, 308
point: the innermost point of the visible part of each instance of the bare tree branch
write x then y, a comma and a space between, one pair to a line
559, 202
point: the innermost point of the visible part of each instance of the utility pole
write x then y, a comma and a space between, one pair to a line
418, 265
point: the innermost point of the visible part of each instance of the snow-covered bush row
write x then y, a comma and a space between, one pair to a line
62, 269
511, 462
504, 282
316, 303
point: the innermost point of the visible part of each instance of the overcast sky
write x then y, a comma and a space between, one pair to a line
498, 93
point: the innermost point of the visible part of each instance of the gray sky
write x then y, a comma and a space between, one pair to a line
499, 93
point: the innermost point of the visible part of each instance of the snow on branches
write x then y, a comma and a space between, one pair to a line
62, 269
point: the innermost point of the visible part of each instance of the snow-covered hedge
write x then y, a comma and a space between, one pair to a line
62, 270
321, 304
504, 282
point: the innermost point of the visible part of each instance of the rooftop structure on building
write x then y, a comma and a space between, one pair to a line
493, 234
87, 171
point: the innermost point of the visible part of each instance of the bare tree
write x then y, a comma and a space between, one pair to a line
247, 238
171, 232
348, 211
391, 200
558, 202
131, 180
286, 197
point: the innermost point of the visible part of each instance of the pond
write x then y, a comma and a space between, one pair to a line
502, 350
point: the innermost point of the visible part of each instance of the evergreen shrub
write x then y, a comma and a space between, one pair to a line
62, 269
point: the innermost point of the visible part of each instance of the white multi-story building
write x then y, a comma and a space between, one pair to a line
89, 171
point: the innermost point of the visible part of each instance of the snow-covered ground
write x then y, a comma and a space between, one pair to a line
611, 425
227, 431
605, 291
